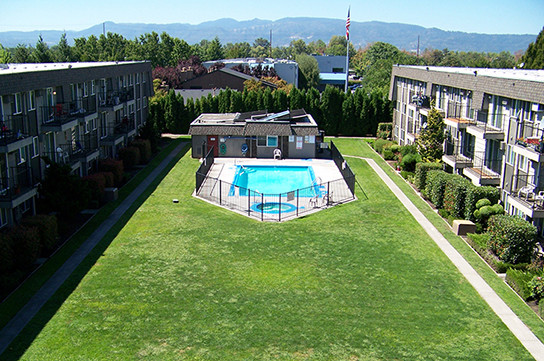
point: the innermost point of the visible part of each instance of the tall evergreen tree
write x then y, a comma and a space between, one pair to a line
22, 54
5, 55
534, 56
431, 137
42, 53
63, 52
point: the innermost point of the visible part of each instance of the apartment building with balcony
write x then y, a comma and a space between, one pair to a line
72, 113
494, 127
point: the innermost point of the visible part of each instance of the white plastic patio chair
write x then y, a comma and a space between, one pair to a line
528, 191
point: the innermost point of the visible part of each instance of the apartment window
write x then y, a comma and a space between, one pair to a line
510, 155
522, 163
35, 147
1, 110
138, 103
85, 89
131, 79
31, 100
94, 123
137, 78
18, 103
145, 102
261, 141
143, 78
93, 90
20, 155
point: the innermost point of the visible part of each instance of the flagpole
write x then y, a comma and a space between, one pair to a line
348, 23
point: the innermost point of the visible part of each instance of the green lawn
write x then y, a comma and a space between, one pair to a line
360, 281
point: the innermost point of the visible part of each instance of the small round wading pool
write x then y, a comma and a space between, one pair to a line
273, 207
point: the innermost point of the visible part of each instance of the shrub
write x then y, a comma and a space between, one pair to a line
96, 183
388, 154
474, 194
130, 156
395, 148
407, 175
109, 179
47, 229
536, 287
511, 238
454, 195
435, 186
479, 243
384, 130
381, 144
6, 253
409, 161
519, 281
145, 149
421, 174
115, 167
408, 149
485, 210
25, 245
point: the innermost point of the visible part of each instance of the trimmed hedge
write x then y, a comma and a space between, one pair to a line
421, 173
109, 179
47, 229
115, 167
511, 238
130, 156
435, 186
145, 149
454, 195
519, 281
474, 194
409, 161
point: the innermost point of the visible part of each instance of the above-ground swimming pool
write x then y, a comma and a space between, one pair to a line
272, 179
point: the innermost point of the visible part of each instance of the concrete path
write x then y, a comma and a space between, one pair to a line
516, 326
25, 315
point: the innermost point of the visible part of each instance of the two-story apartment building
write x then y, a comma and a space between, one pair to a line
494, 126
73, 113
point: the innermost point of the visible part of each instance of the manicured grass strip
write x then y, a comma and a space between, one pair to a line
524, 312
12, 304
192, 281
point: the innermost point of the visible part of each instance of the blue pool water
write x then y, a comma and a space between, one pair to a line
268, 179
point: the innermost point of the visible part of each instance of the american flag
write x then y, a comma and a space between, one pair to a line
348, 23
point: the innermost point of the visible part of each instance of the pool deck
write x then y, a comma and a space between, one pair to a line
225, 168
217, 190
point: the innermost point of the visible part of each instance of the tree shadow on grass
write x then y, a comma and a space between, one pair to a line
31, 331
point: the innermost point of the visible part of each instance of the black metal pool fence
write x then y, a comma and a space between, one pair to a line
279, 206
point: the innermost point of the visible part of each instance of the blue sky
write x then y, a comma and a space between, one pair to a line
481, 16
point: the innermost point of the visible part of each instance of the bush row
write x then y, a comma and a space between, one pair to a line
21, 246
519, 281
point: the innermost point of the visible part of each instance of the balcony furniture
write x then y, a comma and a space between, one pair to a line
539, 199
528, 191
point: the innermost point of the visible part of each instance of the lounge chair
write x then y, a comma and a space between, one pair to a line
528, 191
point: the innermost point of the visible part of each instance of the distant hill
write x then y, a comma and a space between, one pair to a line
403, 36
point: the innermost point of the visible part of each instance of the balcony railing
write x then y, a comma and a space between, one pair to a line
74, 151
13, 128
486, 167
18, 182
457, 154
109, 98
530, 136
126, 94
125, 126
62, 113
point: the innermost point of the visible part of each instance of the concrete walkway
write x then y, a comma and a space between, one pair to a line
516, 326
25, 315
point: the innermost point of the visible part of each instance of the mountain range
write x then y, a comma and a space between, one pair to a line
403, 36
